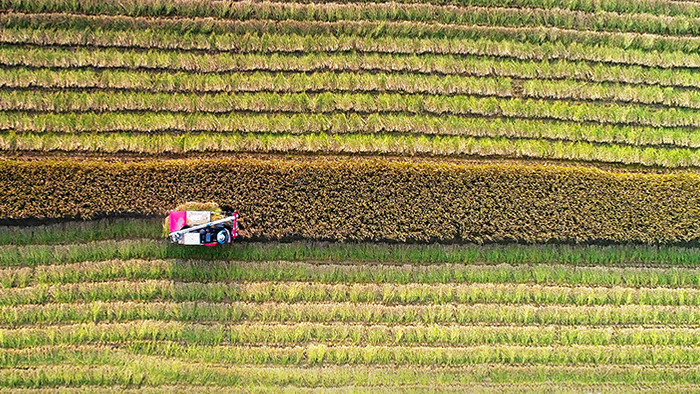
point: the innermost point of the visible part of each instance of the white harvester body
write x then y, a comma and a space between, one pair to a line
197, 228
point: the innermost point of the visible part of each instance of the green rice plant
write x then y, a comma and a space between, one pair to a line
342, 334
22, 315
390, 294
293, 43
546, 273
53, 256
349, 62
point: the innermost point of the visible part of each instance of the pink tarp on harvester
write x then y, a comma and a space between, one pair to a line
178, 219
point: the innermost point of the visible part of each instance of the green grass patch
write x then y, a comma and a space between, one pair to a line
585, 255
81, 231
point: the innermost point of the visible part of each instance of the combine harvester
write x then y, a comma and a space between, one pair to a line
197, 228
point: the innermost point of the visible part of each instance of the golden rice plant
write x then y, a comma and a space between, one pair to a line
581, 205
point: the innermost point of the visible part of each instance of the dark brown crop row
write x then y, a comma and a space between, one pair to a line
372, 200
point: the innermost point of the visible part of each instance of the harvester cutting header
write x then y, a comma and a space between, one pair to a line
200, 227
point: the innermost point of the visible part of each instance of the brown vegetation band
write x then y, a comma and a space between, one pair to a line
372, 200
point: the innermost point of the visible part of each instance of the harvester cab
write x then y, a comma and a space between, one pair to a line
197, 228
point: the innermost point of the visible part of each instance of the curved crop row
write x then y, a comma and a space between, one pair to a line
257, 82
533, 35
419, 355
106, 59
343, 144
342, 82
401, 294
344, 334
363, 103
182, 123
348, 312
69, 367
293, 43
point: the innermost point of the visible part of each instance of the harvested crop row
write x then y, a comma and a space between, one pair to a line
342, 144
619, 93
456, 202
391, 294
135, 7
343, 123
102, 377
316, 354
259, 81
343, 334
120, 368
15, 316
466, 15
654, 7
344, 62
533, 35
342, 82
293, 43
209, 271
347, 102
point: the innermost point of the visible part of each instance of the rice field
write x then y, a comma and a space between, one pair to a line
435, 195
352, 317
595, 82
